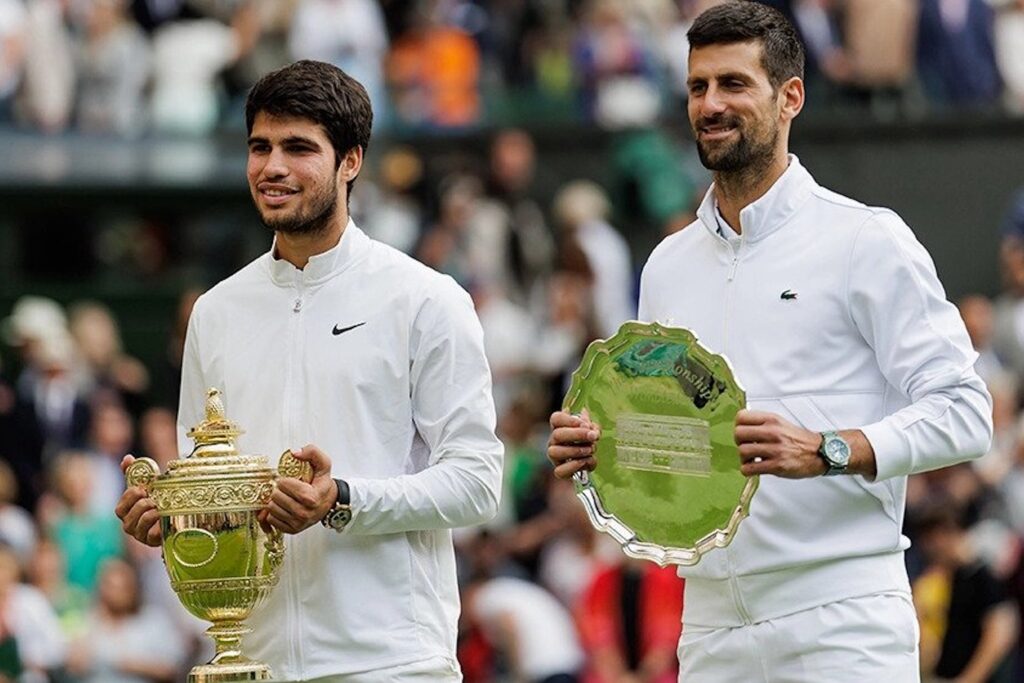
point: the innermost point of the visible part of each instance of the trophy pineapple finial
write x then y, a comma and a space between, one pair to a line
214, 406
216, 434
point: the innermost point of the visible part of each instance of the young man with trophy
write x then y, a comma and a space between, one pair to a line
857, 372
333, 339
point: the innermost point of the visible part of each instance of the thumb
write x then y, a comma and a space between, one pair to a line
126, 462
319, 460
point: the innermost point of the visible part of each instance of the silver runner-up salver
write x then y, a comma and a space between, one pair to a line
668, 485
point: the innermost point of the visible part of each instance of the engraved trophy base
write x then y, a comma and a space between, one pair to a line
229, 665
229, 673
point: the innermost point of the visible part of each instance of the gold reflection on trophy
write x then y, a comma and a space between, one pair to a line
221, 562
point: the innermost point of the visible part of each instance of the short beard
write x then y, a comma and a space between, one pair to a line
741, 157
312, 222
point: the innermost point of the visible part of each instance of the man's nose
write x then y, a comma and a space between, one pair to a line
276, 165
712, 103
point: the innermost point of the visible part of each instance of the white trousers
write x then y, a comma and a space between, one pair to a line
433, 670
873, 638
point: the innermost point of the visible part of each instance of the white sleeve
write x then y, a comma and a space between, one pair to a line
192, 399
454, 414
922, 349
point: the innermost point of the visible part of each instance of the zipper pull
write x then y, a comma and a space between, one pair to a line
298, 305
732, 271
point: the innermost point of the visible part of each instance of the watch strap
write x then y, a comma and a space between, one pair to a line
344, 495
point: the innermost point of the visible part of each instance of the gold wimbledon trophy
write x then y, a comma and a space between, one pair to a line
221, 562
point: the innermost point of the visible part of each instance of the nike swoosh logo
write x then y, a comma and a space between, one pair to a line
341, 330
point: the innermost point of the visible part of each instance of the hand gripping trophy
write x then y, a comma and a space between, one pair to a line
221, 562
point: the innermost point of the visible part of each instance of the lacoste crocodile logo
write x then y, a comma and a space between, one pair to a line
341, 330
788, 295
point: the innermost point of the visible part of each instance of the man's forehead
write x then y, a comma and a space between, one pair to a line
265, 124
742, 57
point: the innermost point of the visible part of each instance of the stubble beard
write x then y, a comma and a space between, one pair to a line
745, 156
306, 222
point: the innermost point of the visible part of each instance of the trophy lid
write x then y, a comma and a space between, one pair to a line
215, 453
214, 436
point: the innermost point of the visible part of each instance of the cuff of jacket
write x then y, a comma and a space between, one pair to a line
892, 451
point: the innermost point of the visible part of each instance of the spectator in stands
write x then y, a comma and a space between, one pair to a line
188, 57
31, 643
17, 527
879, 39
390, 209
533, 631
629, 619
1008, 313
47, 571
980, 621
126, 641
158, 436
573, 553
111, 436
582, 211
86, 538
47, 97
977, 313
113, 70
52, 412
98, 340
349, 34
434, 72
1009, 47
13, 39
510, 244
617, 71
955, 53
445, 244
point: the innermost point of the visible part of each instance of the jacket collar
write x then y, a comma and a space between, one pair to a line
349, 249
771, 211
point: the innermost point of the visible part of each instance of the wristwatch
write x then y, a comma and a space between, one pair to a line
835, 452
340, 514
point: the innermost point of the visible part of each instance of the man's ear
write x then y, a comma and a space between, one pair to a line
792, 97
351, 164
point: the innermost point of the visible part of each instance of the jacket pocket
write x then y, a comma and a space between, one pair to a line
815, 413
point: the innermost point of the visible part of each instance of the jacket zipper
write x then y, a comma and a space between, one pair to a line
733, 265
741, 608
737, 597
291, 390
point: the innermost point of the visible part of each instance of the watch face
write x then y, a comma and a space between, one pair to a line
837, 450
338, 518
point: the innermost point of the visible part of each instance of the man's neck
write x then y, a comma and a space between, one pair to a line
297, 249
736, 190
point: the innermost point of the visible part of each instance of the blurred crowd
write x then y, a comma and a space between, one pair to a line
543, 593
127, 67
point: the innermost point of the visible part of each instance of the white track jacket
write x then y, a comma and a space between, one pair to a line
833, 317
379, 361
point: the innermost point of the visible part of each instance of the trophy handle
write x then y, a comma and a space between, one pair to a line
287, 466
142, 473
290, 466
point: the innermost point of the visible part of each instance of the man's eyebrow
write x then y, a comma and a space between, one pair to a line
734, 75
292, 140
727, 76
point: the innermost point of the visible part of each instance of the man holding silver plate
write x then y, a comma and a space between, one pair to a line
847, 371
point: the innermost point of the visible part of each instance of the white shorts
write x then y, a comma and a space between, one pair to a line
851, 641
435, 669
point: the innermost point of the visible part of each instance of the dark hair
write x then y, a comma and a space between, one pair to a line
738, 21
321, 93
